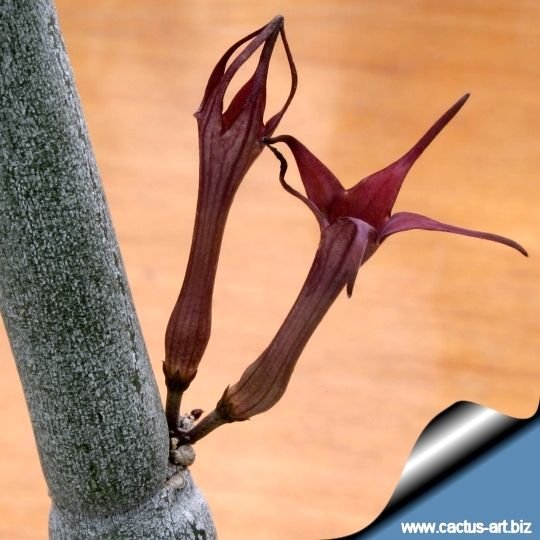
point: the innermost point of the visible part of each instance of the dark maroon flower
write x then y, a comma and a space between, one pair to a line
372, 199
229, 141
353, 224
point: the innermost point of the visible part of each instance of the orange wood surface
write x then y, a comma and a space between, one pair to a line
434, 318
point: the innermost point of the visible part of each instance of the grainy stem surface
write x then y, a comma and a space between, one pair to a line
95, 408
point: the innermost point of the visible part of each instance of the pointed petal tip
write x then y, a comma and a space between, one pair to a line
276, 24
406, 221
278, 20
350, 286
505, 241
460, 102
510, 243
416, 151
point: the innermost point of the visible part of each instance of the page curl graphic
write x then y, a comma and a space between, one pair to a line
454, 438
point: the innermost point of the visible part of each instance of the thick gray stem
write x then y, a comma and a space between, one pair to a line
93, 401
178, 511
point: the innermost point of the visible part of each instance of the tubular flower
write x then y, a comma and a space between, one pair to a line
353, 224
341, 249
229, 142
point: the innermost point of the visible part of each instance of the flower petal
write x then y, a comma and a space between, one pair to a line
253, 92
405, 221
273, 122
321, 185
221, 75
373, 198
321, 219
366, 242
252, 96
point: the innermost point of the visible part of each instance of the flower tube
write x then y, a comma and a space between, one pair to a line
229, 141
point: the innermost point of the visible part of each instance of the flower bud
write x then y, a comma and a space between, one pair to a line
229, 141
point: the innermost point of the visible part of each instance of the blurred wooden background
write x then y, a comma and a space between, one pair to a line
434, 319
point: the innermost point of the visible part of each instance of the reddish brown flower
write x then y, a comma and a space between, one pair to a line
372, 199
229, 141
354, 222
